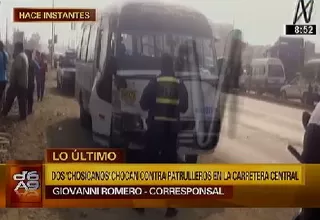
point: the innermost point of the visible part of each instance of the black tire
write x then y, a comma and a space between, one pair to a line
85, 117
191, 158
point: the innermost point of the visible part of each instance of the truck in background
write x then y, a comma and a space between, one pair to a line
291, 51
310, 51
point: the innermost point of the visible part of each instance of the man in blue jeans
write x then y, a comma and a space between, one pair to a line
3, 71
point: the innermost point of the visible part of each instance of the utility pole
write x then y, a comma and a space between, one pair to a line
52, 39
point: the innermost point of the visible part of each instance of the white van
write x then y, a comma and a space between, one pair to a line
305, 83
145, 30
268, 76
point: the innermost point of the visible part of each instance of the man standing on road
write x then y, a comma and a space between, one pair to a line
33, 70
41, 80
3, 71
40, 76
18, 82
165, 98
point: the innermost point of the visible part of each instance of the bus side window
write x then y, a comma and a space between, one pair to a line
91, 43
98, 48
80, 45
104, 87
84, 46
104, 48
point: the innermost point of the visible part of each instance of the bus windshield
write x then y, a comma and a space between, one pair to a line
143, 51
276, 71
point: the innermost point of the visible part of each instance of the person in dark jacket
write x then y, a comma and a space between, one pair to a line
18, 82
41, 75
311, 155
3, 71
165, 97
33, 70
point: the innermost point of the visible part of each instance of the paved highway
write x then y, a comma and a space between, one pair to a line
262, 133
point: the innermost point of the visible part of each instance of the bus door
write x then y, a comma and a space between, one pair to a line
101, 95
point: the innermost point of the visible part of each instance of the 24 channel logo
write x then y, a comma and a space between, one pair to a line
303, 14
28, 182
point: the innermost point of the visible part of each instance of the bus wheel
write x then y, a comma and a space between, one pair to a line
191, 158
85, 117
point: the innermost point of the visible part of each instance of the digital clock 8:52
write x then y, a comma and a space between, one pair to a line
301, 29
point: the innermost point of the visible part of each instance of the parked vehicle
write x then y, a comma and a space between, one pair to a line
66, 74
146, 31
267, 76
306, 85
291, 52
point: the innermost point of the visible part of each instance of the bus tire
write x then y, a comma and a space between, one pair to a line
85, 117
191, 158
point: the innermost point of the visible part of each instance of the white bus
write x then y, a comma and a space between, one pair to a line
136, 35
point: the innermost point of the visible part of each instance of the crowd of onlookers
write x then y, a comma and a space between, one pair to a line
26, 72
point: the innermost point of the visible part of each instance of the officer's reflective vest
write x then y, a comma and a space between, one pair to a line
167, 99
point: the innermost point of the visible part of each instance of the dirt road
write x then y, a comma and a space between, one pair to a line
55, 124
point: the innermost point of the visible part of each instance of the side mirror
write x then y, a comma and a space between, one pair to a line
305, 119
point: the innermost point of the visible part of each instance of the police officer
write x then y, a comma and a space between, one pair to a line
164, 98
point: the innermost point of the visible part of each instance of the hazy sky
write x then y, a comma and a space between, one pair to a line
262, 21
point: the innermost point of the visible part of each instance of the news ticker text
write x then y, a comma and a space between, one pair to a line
100, 178
137, 192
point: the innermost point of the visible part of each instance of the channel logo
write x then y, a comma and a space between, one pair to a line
24, 188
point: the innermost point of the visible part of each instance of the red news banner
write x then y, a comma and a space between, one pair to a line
53, 14
26, 186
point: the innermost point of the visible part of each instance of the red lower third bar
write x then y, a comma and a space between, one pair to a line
138, 192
